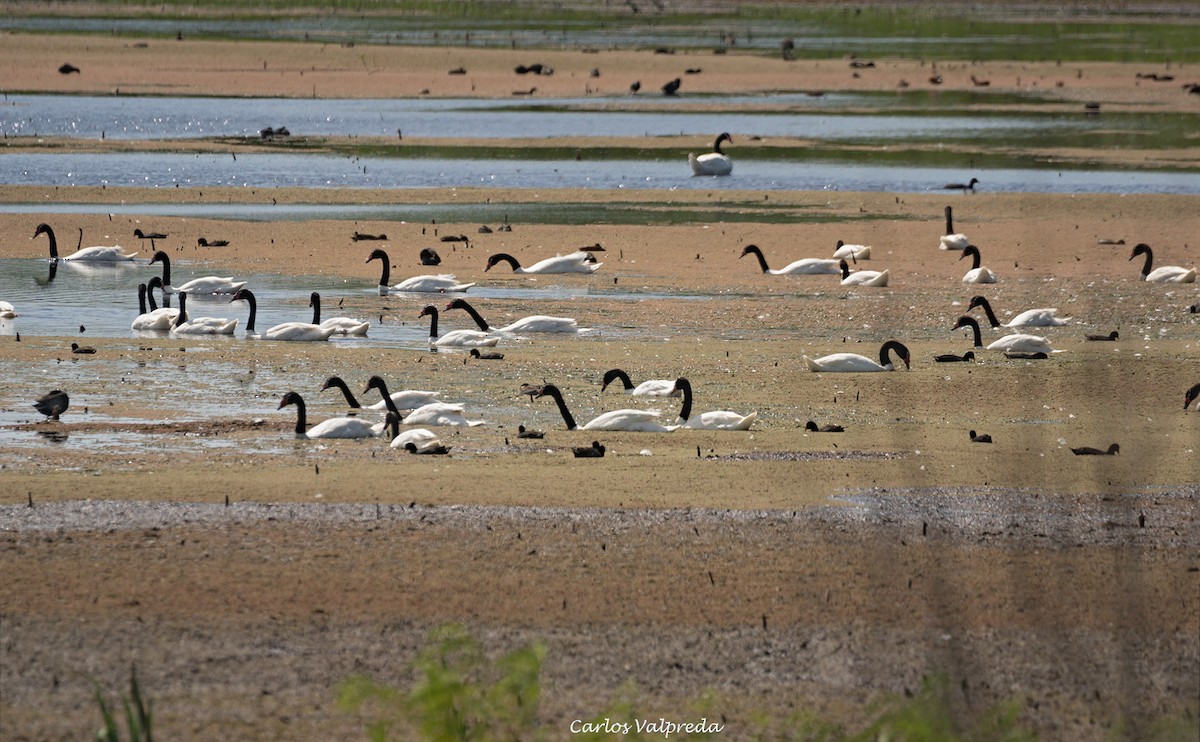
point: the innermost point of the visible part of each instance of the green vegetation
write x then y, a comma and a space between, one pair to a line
138, 714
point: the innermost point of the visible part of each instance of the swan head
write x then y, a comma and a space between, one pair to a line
289, 399
457, 304
969, 250
750, 250
976, 301
160, 257
429, 311
1140, 249
376, 382
377, 254
241, 295
333, 381
42, 228
314, 299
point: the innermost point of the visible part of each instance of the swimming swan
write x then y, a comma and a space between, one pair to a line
802, 267
1029, 318
952, 240
977, 274
205, 285
1015, 343
200, 325
712, 163
8, 311
579, 261
642, 421
1164, 274
96, 254
417, 284
455, 338
853, 362
717, 420
334, 427
651, 388
532, 323
340, 325
287, 331
862, 278
408, 399
434, 413
155, 319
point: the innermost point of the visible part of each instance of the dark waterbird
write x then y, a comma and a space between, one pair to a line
980, 437
812, 427
202, 242
52, 404
970, 186
968, 357
1089, 451
594, 451
1110, 336
672, 87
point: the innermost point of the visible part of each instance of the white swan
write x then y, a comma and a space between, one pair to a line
532, 323
455, 338
641, 421
650, 388
8, 311
434, 413
716, 420
1163, 274
438, 283
854, 252
340, 325
1046, 317
95, 254
154, 320
288, 331
200, 325
978, 273
334, 427
204, 285
1015, 343
408, 399
802, 267
580, 261
853, 362
862, 278
952, 240
421, 439
712, 163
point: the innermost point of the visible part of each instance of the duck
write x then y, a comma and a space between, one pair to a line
862, 278
594, 451
204, 285
649, 388
716, 420
1046, 317
1014, 343
977, 274
853, 362
95, 254
438, 283
78, 349
334, 427
641, 421
1190, 396
952, 240
152, 319
203, 242
968, 357
854, 252
579, 261
486, 355
1019, 356
149, 236
715, 162
1163, 274
969, 186
287, 331
200, 325
455, 338
52, 403
8, 311
523, 432
812, 427
1112, 450
1112, 336
433, 413
802, 267
980, 437
532, 323
408, 399
340, 325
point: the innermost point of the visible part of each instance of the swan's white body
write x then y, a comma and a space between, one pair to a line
206, 326
158, 320
343, 427
347, 326
1022, 343
575, 262
464, 339
7, 311
420, 437
981, 274
1046, 317
541, 323
641, 421
851, 252
807, 267
101, 254
845, 362
653, 388
207, 285
719, 420
440, 413
866, 278
409, 399
956, 241
1171, 274
711, 163
298, 332
427, 284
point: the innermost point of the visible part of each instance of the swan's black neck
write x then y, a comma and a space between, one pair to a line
949, 221
45, 229
976, 258
382, 257
141, 298
965, 321
161, 257
717, 144
314, 301
1141, 249
552, 391
155, 281
432, 312
336, 381
479, 320
182, 309
756, 252
980, 301
888, 347
614, 375
301, 414
392, 423
505, 257
845, 269
376, 382
685, 386
248, 297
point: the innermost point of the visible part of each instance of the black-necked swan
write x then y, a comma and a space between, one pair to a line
8, 311
413, 440
334, 427
980, 437
532, 323
417, 284
642, 421
408, 399
1190, 396
968, 357
455, 338
1015, 343
715, 420
579, 261
862, 278
812, 427
649, 388
340, 325
801, 267
154, 319
433, 413
1112, 450
287, 331
204, 285
853, 362
200, 325
1046, 317
1163, 274
978, 273
952, 240
853, 252
715, 162
52, 404
95, 254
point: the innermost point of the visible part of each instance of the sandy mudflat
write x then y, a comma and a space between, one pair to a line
782, 570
